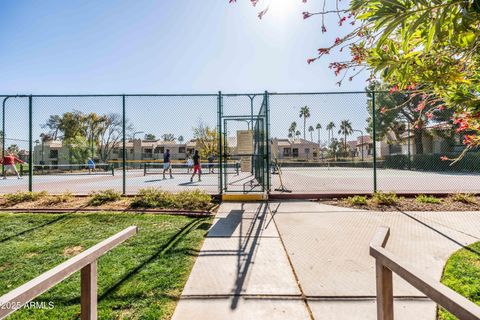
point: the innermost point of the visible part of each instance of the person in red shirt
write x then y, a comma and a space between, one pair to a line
9, 164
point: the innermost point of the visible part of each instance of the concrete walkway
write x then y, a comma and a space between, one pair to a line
304, 260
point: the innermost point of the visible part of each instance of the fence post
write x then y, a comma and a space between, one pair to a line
124, 153
220, 147
88, 294
267, 139
3, 131
374, 133
384, 292
30, 144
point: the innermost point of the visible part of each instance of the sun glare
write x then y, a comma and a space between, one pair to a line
282, 8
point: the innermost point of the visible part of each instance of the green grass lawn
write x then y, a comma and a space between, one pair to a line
462, 274
140, 279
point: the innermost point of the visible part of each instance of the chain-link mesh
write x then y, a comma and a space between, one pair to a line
305, 143
321, 143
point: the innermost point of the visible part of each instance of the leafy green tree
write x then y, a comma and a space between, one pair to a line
150, 136
180, 139
206, 139
334, 147
79, 149
305, 114
430, 47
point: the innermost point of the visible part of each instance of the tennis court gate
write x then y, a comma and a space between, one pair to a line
244, 141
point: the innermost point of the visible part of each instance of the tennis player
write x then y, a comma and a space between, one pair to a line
9, 162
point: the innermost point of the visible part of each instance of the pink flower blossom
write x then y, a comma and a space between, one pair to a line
393, 89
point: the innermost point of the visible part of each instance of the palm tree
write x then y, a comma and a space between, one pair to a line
318, 127
292, 129
329, 128
345, 129
305, 114
311, 129
298, 134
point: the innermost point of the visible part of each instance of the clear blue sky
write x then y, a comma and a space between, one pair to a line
165, 46
160, 46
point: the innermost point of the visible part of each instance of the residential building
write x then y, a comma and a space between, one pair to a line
297, 149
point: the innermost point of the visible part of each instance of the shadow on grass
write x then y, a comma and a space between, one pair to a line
160, 252
33, 228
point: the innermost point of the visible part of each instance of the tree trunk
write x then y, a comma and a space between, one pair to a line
417, 138
304, 128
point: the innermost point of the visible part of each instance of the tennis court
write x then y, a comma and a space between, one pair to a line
297, 179
360, 180
83, 182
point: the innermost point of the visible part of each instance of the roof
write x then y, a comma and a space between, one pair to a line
292, 143
352, 144
366, 140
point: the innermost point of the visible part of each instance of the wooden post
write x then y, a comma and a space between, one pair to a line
384, 292
88, 295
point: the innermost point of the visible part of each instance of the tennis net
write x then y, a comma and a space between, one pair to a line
328, 165
183, 168
69, 169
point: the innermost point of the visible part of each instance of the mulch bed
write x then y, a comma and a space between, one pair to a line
410, 204
81, 203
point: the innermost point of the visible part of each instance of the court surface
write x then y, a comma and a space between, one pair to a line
299, 180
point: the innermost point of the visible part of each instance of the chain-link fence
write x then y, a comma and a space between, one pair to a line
322, 143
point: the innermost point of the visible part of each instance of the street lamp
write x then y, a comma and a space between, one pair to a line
361, 137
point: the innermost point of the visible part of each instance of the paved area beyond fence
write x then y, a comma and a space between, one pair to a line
303, 260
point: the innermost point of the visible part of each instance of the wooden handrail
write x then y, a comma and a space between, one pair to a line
386, 263
85, 261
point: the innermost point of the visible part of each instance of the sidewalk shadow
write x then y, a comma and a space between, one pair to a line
444, 234
247, 248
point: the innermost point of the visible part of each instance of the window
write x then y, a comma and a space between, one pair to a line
53, 154
286, 151
295, 152
307, 150
162, 149
181, 150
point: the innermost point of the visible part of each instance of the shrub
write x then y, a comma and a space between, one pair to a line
192, 200
385, 199
59, 198
187, 200
357, 200
433, 162
427, 199
102, 197
19, 197
464, 198
153, 198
